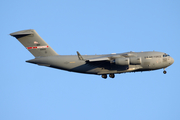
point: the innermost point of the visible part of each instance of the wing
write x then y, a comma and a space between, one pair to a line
96, 59
107, 58
105, 61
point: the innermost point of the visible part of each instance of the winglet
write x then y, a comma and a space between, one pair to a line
79, 56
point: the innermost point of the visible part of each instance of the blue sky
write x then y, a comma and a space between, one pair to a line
28, 91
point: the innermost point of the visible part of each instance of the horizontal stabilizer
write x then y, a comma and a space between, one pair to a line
22, 33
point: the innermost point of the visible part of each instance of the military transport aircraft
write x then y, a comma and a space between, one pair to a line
91, 64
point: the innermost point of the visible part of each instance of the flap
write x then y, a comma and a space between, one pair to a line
98, 59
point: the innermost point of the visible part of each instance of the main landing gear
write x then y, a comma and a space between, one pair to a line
110, 75
164, 71
104, 76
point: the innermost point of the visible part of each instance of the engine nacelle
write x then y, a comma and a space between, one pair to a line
127, 61
135, 60
121, 61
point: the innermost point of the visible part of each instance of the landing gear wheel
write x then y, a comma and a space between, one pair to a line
104, 76
164, 72
111, 75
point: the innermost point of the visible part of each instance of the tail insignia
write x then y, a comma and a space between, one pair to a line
37, 47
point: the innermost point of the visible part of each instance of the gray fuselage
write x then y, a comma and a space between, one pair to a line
148, 61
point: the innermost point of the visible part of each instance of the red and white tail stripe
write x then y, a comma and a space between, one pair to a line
37, 47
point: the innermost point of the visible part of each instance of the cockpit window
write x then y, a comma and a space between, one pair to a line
165, 55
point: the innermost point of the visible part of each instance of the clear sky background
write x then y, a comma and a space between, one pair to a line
31, 92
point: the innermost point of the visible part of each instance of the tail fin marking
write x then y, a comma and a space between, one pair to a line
34, 43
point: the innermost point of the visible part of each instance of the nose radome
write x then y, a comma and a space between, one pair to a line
172, 60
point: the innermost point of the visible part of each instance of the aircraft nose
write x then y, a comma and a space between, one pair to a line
172, 60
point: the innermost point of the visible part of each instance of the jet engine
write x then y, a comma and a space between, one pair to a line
135, 60
121, 61
127, 61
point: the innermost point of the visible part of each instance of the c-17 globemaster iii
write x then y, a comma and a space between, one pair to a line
91, 64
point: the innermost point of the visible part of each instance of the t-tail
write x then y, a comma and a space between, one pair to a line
34, 43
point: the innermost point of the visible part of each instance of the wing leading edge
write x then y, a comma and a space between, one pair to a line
97, 59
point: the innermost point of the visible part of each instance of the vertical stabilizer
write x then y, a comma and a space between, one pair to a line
34, 43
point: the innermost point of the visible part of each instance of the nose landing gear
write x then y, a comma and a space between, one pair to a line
164, 71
